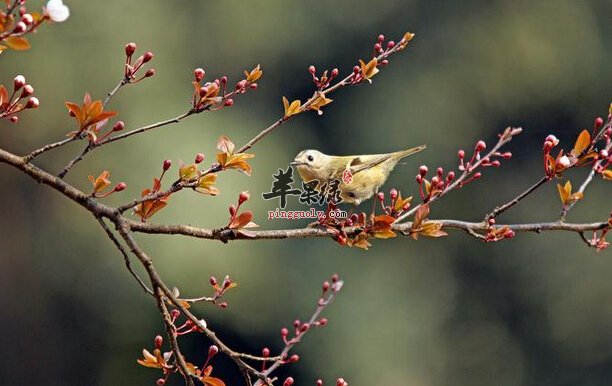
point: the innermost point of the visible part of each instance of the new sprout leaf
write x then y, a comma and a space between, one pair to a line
17, 43
564, 192
241, 220
607, 174
188, 172
225, 145
291, 108
582, 142
420, 215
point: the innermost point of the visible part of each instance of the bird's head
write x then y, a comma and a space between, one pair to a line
310, 163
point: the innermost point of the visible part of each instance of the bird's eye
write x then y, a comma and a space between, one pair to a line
310, 158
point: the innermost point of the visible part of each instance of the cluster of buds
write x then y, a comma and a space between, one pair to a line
382, 50
132, 69
328, 290
339, 382
397, 206
101, 183
438, 184
214, 95
16, 22
221, 289
20, 99
555, 166
242, 220
496, 234
322, 81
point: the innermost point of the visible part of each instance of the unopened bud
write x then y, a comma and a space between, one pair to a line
20, 27
391, 44
158, 341
288, 381
199, 158
120, 186
381, 38
160, 382
284, 332
147, 57
32, 103
27, 91
477, 175
228, 102
244, 196
461, 154
232, 210
130, 48
322, 321
213, 281
381, 196
393, 194
598, 123
423, 170
27, 19
166, 165
119, 126
334, 73
150, 72
312, 69
481, 145
198, 74
213, 350
14, 119
19, 82
450, 176
265, 352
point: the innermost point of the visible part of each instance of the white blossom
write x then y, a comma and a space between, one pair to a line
57, 11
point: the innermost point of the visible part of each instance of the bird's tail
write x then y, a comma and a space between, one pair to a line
405, 153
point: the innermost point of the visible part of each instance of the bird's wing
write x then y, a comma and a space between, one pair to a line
365, 162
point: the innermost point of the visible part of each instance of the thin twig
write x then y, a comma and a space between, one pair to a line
171, 333
126, 257
506, 137
502, 208
37, 152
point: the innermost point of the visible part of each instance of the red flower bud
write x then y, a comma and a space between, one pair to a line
175, 313
381, 196
32, 103
481, 145
244, 196
160, 382
393, 194
224, 79
232, 210
356, 70
158, 341
461, 154
377, 47
419, 179
166, 165
312, 70
150, 72
334, 73
439, 172
27, 19
20, 27
228, 102
265, 352
322, 321
598, 123
477, 175
199, 158
147, 57
223, 305
213, 281
130, 48
319, 382
120, 186
198, 74
27, 91
14, 119
326, 285
288, 381
293, 358
19, 82
450, 176
213, 350
335, 278
341, 382
304, 327
296, 323
381, 38
391, 44
119, 126
284, 332
423, 170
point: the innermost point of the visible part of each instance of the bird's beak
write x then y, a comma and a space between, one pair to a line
295, 163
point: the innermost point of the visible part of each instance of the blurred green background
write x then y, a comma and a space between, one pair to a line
531, 311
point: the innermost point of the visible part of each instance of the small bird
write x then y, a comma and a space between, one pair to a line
360, 176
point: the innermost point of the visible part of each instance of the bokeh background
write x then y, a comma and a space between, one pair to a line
531, 311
